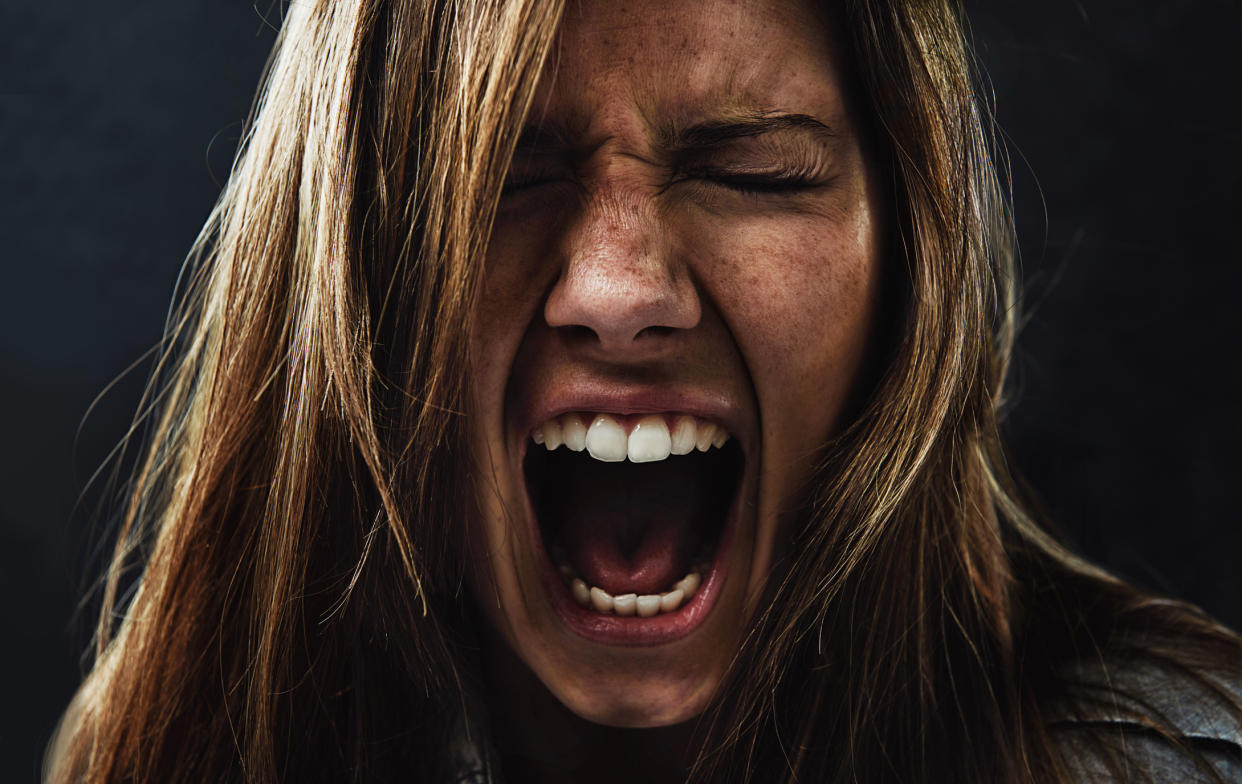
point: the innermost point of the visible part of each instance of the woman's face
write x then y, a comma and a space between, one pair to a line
687, 250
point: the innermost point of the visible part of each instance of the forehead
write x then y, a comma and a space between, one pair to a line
681, 61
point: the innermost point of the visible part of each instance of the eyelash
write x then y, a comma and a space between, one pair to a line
749, 184
775, 183
514, 185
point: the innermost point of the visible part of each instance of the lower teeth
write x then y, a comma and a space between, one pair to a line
644, 606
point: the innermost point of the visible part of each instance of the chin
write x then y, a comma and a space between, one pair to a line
640, 702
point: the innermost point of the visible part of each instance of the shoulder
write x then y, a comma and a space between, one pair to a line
1144, 722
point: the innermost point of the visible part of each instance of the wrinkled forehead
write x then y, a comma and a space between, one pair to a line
657, 62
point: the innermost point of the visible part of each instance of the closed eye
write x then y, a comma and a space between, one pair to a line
534, 169
783, 183
530, 181
766, 181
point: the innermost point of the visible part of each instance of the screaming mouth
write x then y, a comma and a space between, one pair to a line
631, 509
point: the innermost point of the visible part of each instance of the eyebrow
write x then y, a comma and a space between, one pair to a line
713, 133
701, 136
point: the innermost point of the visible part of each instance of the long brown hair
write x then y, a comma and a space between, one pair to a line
298, 517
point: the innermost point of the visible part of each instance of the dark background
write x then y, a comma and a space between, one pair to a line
118, 121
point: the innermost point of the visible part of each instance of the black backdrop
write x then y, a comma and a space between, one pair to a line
118, 121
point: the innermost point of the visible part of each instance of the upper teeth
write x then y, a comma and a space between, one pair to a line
648, 441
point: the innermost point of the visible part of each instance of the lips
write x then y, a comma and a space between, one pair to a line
634, 515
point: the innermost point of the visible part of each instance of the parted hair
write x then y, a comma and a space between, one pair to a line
287, 601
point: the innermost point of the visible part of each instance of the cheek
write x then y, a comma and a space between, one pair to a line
516, 274
800, 294
503, 299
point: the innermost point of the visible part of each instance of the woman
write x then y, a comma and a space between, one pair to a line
611, 391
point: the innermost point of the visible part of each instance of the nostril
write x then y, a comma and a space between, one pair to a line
654, 332
577, 333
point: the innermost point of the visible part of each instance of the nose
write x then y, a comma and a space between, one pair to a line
621, 285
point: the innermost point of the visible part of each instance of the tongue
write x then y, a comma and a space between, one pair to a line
619, 563
632, 528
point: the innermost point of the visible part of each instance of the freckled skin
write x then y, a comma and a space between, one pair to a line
617, 267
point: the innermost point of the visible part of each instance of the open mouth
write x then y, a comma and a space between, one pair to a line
633, 512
